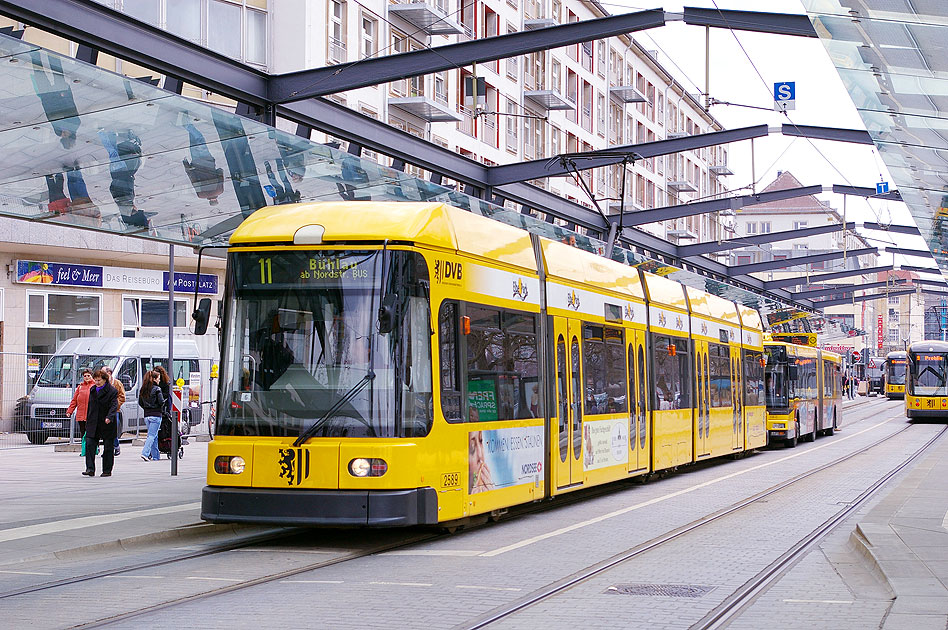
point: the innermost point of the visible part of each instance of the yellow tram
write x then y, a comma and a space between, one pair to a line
895, 365
804, 392
926, 380
389, 364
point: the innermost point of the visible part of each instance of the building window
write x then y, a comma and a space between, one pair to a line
223, 19
369, 30
337, 31
556, 77
600, 114
55, 317
751, 227
799, 224
512, 127
140, 313
765, 227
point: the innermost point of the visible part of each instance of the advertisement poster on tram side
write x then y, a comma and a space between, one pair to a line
482, 400
605, 443
500, 458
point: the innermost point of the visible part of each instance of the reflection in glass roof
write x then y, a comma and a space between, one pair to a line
86, 147
892, 55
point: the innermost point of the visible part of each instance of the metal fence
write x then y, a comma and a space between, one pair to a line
36, 391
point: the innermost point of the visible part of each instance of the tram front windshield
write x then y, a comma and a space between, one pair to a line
896, 371
928, 374
776, 381
304, 350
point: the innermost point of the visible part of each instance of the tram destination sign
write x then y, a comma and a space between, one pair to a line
272, 269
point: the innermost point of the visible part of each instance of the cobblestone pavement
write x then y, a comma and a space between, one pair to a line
453, 579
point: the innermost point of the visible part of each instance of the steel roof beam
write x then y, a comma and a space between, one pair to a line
863, 298
800, 260
642, 217
776, 23
920, 269
772, 237
836, 275
843, 289
297, 86
921, 253
553, 167
899, 229
862, 191
856, 136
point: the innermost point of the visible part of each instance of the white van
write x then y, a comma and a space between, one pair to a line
129, 359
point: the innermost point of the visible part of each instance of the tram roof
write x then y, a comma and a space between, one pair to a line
431, 224
661, 290
750, 318
567, 263
928, 346
703, 303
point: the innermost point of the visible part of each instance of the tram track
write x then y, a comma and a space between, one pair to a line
394, 545
731, 607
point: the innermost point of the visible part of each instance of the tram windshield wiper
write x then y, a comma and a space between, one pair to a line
349, 395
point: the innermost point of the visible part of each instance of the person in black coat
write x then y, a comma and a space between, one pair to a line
101, 421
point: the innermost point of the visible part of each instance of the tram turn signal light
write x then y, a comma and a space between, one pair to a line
465, 325
367, 467
229, 465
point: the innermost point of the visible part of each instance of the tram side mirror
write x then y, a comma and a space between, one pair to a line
387, 313
201, 316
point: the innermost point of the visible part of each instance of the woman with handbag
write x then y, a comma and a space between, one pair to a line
152, 401
101, 420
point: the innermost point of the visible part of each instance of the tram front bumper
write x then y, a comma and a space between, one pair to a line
326, 508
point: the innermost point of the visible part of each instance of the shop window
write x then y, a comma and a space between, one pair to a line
152, 313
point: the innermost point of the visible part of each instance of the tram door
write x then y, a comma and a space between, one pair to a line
737, 400
638, 397
703, 379
568, 455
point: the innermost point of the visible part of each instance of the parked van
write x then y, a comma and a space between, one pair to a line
129, 359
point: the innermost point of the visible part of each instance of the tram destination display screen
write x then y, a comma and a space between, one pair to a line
306, 269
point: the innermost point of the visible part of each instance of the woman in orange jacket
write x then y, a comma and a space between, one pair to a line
80, 404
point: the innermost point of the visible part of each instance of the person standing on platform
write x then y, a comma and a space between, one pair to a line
153, 403
80, 404
101, 421
120, 389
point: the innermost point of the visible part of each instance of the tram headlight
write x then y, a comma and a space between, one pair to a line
371, 467
229, 465
237, 465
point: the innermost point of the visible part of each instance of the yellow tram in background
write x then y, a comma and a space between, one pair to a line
390, 364
926, 380
895, 368
804, 392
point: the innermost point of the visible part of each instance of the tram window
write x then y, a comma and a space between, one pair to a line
604, 370
753, 379
450, 384
672, 372
828, 368
805, 381
642, 414
563, 402
720, 377
501, 365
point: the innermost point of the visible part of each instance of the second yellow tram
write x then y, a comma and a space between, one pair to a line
804, 392
895, 364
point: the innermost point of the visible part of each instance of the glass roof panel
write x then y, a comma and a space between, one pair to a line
83, 146
892, 56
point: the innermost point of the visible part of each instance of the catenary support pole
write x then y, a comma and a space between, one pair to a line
174, 421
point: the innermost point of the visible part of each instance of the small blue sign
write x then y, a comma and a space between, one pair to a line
882, 188
786, 91
186, 282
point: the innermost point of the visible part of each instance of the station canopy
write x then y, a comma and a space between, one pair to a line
86, 147
892, 56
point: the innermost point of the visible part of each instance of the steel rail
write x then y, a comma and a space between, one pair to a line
731, 608
586, 573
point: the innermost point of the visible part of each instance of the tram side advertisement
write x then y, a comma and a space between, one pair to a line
502, 458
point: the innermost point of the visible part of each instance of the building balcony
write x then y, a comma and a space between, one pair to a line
681, 186
427, 18
682, 235
627, 94
532, 24
548, 99
424, 108
720, 170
